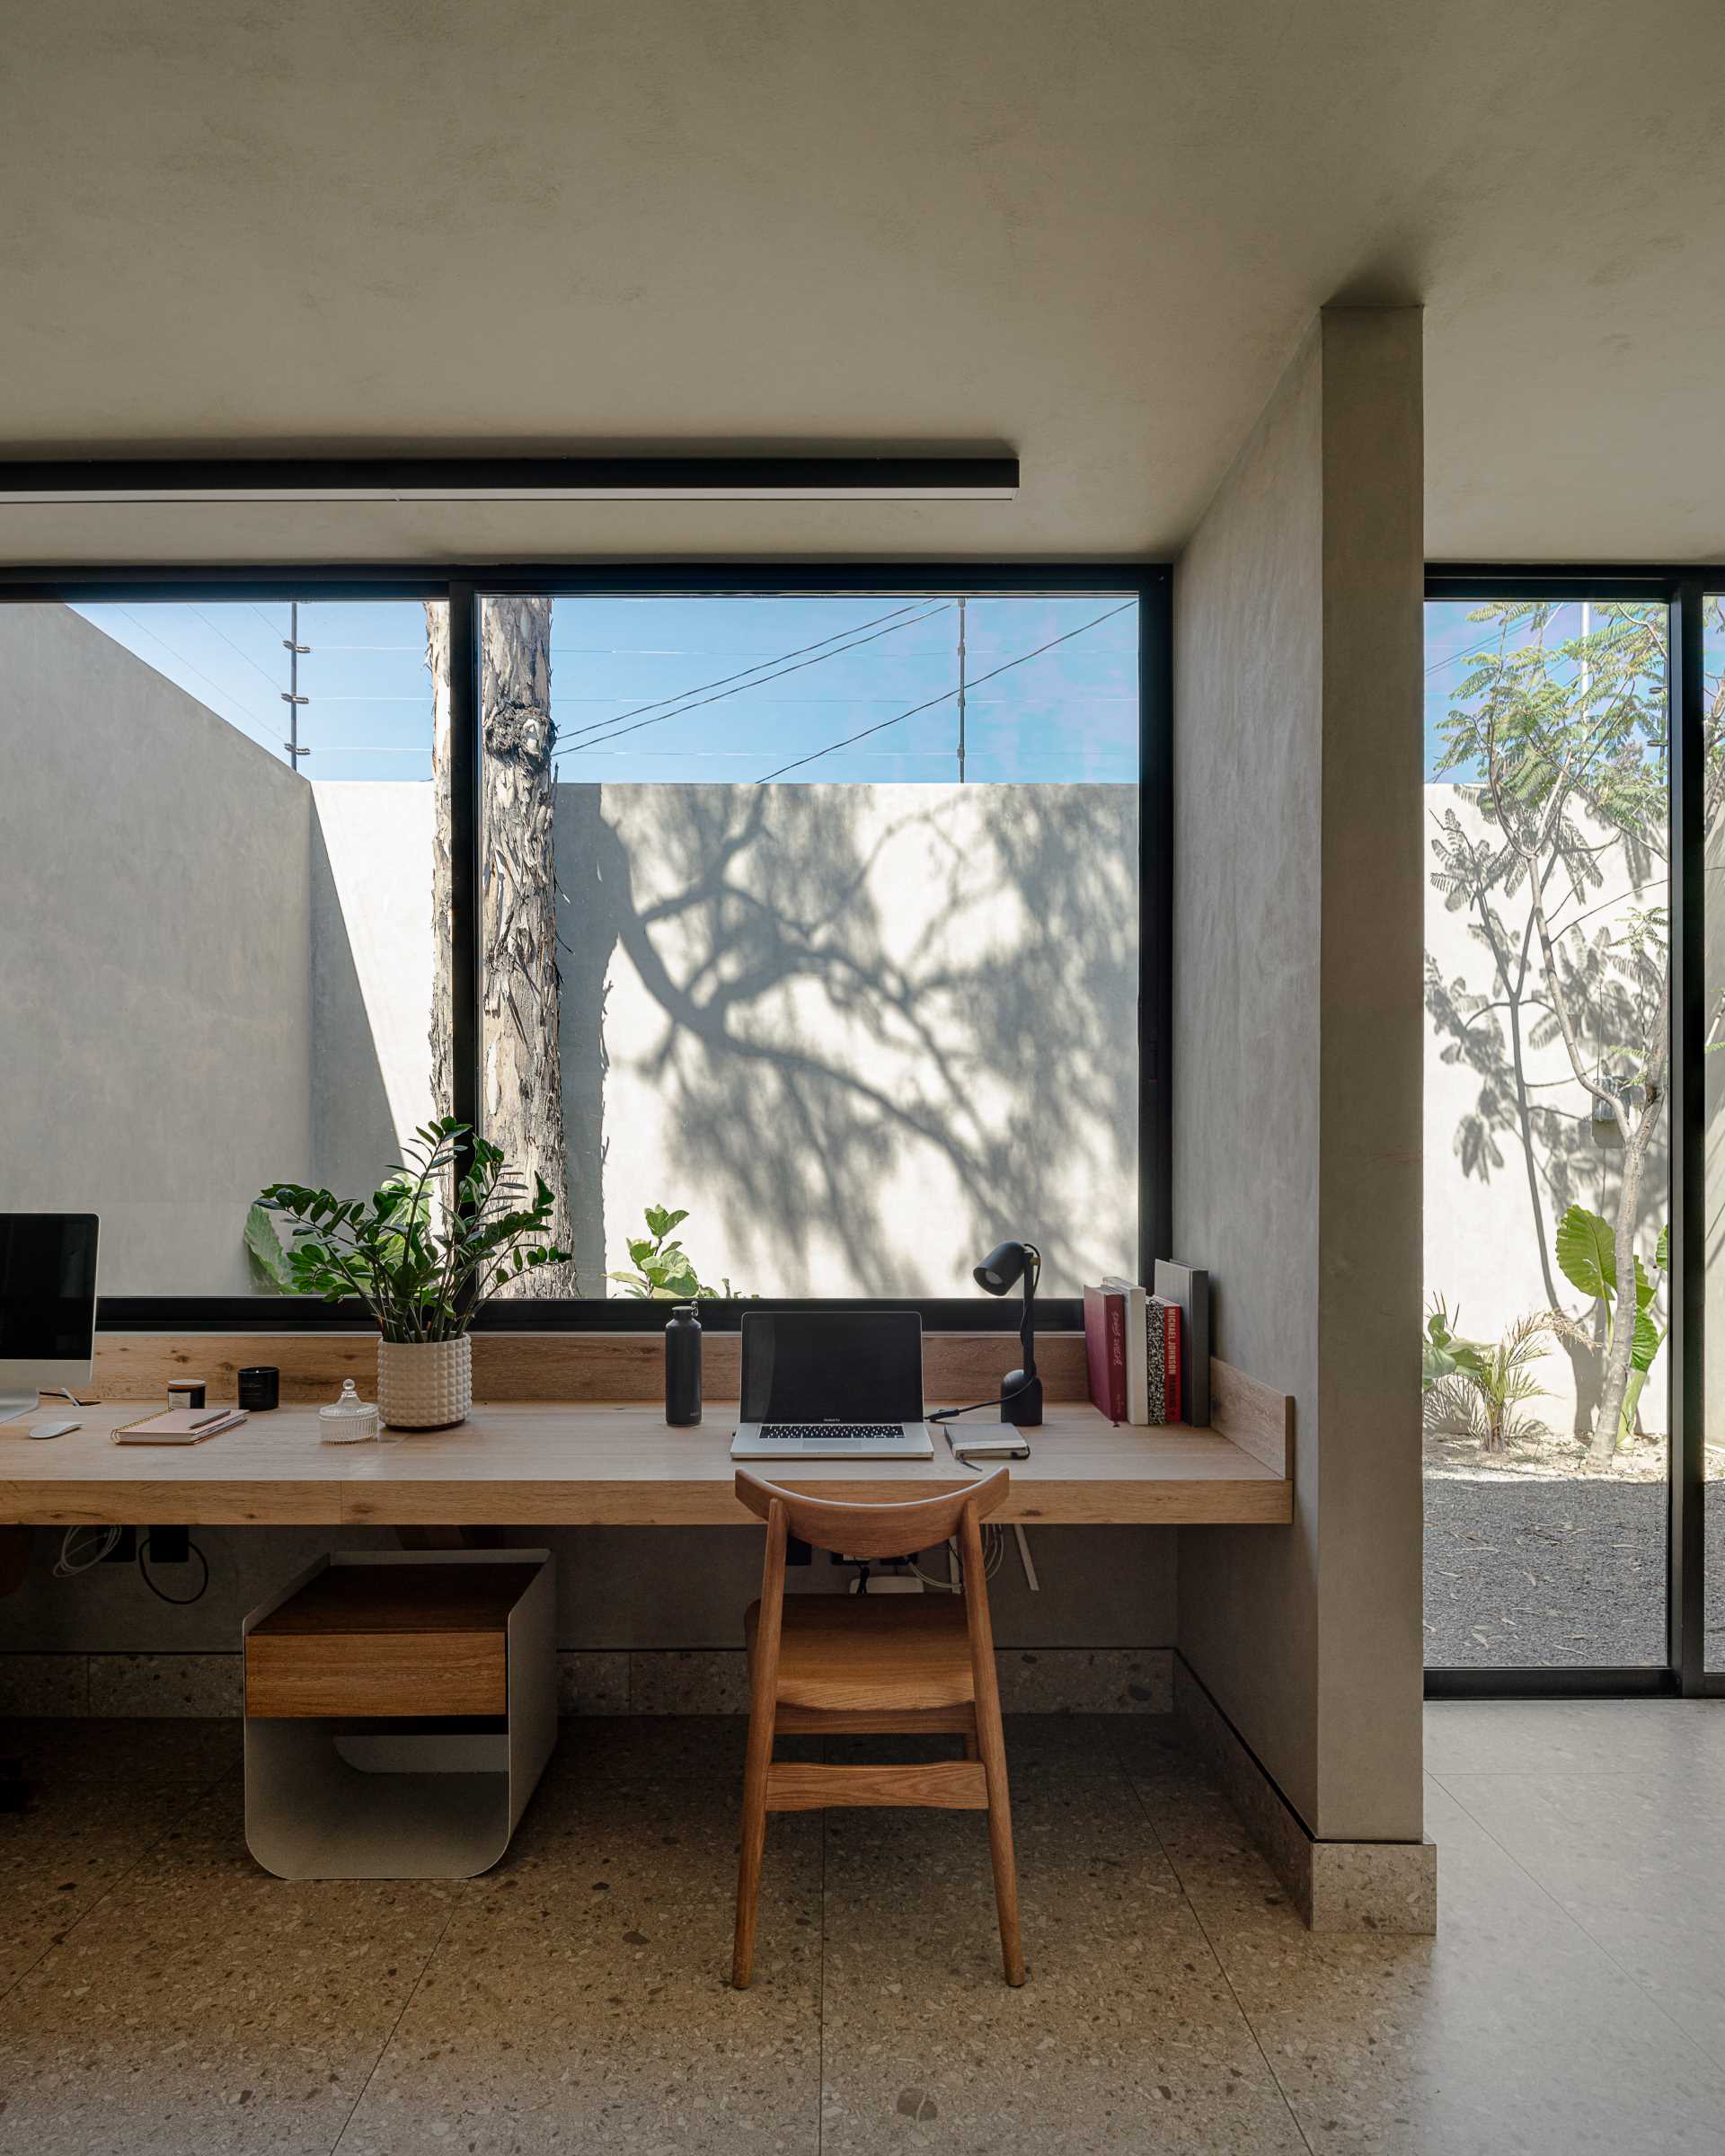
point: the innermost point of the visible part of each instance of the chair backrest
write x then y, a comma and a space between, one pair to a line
886, 1529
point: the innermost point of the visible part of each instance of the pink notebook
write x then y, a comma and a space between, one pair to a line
179, 1426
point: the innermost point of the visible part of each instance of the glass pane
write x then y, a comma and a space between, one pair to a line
1713, 1100
1547, 1174
228, 970
815, 919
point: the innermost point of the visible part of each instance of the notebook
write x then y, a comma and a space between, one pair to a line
179, 1426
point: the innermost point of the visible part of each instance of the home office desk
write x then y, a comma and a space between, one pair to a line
593, 1464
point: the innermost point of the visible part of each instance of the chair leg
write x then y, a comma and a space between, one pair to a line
754, 1845
991, 1744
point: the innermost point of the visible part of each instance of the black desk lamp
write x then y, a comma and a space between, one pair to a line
1020, 1391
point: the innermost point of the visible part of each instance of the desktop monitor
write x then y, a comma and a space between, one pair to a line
48, 1307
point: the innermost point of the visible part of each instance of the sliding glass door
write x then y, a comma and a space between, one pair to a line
1547, 1131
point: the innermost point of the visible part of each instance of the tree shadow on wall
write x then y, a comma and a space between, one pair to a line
855, 981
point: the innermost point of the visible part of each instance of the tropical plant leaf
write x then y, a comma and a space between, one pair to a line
1584, 1253
1649, 1337
271, 1267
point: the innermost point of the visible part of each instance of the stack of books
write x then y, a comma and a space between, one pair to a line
1143, 1347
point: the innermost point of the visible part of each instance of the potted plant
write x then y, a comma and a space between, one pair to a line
421, 1264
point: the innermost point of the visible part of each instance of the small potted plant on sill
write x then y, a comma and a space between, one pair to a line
421, 1271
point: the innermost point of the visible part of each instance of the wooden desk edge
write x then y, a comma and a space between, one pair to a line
1140, 1502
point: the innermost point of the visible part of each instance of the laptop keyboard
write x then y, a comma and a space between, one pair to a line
866, 1433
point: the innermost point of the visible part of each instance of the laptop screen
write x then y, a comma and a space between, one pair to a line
839, 1365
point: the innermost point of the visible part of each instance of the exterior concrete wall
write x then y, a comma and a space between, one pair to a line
862, 1033
373, 962
1298, 1044
155, 967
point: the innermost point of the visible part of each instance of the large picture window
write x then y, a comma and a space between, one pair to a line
802, 933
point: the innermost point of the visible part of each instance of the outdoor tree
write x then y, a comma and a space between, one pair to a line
1563, 745
521, 1098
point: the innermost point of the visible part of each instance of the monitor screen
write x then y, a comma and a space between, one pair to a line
47, 1287
839, 1365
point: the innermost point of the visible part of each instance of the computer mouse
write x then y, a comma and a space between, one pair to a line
53, 1429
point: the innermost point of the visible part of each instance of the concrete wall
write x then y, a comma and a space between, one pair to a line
1297, 1047
156, 963
373, 962
862, 1032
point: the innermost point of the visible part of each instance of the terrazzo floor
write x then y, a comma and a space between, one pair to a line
159, 1994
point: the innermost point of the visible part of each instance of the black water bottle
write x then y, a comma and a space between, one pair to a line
682, 1368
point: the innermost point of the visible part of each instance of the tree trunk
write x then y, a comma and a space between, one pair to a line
521, 1103
1606, 1428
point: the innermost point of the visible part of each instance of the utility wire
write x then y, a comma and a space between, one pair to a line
618, 730
760, 668
231, 646
174, 652
946, 696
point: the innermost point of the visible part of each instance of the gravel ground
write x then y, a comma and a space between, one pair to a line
1539, 1573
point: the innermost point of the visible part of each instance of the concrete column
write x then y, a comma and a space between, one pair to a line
1298, 1042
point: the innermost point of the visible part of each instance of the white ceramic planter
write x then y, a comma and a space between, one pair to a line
425, 1384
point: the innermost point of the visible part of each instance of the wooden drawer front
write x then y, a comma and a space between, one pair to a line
307, 1674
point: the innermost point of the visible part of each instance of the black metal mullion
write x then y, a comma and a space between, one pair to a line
1156, 932
465, 751
1685, 1367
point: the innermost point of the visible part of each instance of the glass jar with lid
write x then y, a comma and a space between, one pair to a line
348, 1420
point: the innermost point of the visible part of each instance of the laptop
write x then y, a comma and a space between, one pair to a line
839, 1384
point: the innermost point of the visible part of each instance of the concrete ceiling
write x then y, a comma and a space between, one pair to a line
1093, 230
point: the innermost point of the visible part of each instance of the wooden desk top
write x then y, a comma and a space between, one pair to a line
588, 1465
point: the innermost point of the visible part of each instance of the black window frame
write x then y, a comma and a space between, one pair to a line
464, 586
1684, 590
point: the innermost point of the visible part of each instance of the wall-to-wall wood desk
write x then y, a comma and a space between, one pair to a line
591, 1464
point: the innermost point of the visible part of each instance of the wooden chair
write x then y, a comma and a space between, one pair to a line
859, 1664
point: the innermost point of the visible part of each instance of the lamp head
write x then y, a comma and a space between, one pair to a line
1004, 1266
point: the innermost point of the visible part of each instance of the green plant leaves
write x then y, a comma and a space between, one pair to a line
271, 1267
1586, 1255
421, 1279
664, 1270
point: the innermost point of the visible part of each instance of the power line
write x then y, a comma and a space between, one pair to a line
175, 653
946, 696
701, 702
655, 703
231, 646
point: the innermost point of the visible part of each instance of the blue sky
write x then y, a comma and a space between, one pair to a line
1069, 713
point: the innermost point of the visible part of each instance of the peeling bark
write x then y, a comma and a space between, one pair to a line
521, 1092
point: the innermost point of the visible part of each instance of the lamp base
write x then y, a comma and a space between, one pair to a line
1021, 1404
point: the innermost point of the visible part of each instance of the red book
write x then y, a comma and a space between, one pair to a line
1105, 1351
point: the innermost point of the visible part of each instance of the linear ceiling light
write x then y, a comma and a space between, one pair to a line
989, 478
